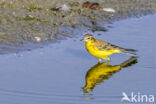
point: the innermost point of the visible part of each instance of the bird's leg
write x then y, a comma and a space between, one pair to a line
108, 60
99, 60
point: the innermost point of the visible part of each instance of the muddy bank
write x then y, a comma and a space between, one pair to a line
36, 21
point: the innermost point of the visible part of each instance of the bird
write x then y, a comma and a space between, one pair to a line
101, 49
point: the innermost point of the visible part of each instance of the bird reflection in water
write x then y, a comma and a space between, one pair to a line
103, 71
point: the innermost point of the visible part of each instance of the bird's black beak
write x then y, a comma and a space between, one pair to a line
82, 40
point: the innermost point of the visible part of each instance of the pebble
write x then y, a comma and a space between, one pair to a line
109, 10
65, 7
37, 39
91, 5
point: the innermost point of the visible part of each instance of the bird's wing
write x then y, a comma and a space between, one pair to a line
102, 45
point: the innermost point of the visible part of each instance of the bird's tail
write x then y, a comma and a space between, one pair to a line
130, 52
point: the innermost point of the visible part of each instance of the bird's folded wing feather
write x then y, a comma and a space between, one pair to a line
105, 45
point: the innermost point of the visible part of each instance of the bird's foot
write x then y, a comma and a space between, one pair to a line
100, 60
108, 60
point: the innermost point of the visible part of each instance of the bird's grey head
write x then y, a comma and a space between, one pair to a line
88, 37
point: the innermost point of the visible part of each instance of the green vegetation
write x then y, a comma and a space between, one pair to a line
33, 7
27, 18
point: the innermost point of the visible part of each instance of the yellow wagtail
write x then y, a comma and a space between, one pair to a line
102, 49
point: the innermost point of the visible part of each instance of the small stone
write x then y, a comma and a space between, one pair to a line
109, 10
37, 39
87, 4
65, 7
95, 6
91, 5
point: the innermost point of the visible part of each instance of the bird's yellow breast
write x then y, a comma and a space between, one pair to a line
96, 52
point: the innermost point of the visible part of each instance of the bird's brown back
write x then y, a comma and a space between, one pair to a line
102, 45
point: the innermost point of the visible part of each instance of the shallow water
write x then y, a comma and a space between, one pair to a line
56, 73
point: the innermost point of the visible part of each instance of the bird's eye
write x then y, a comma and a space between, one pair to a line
88, 38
